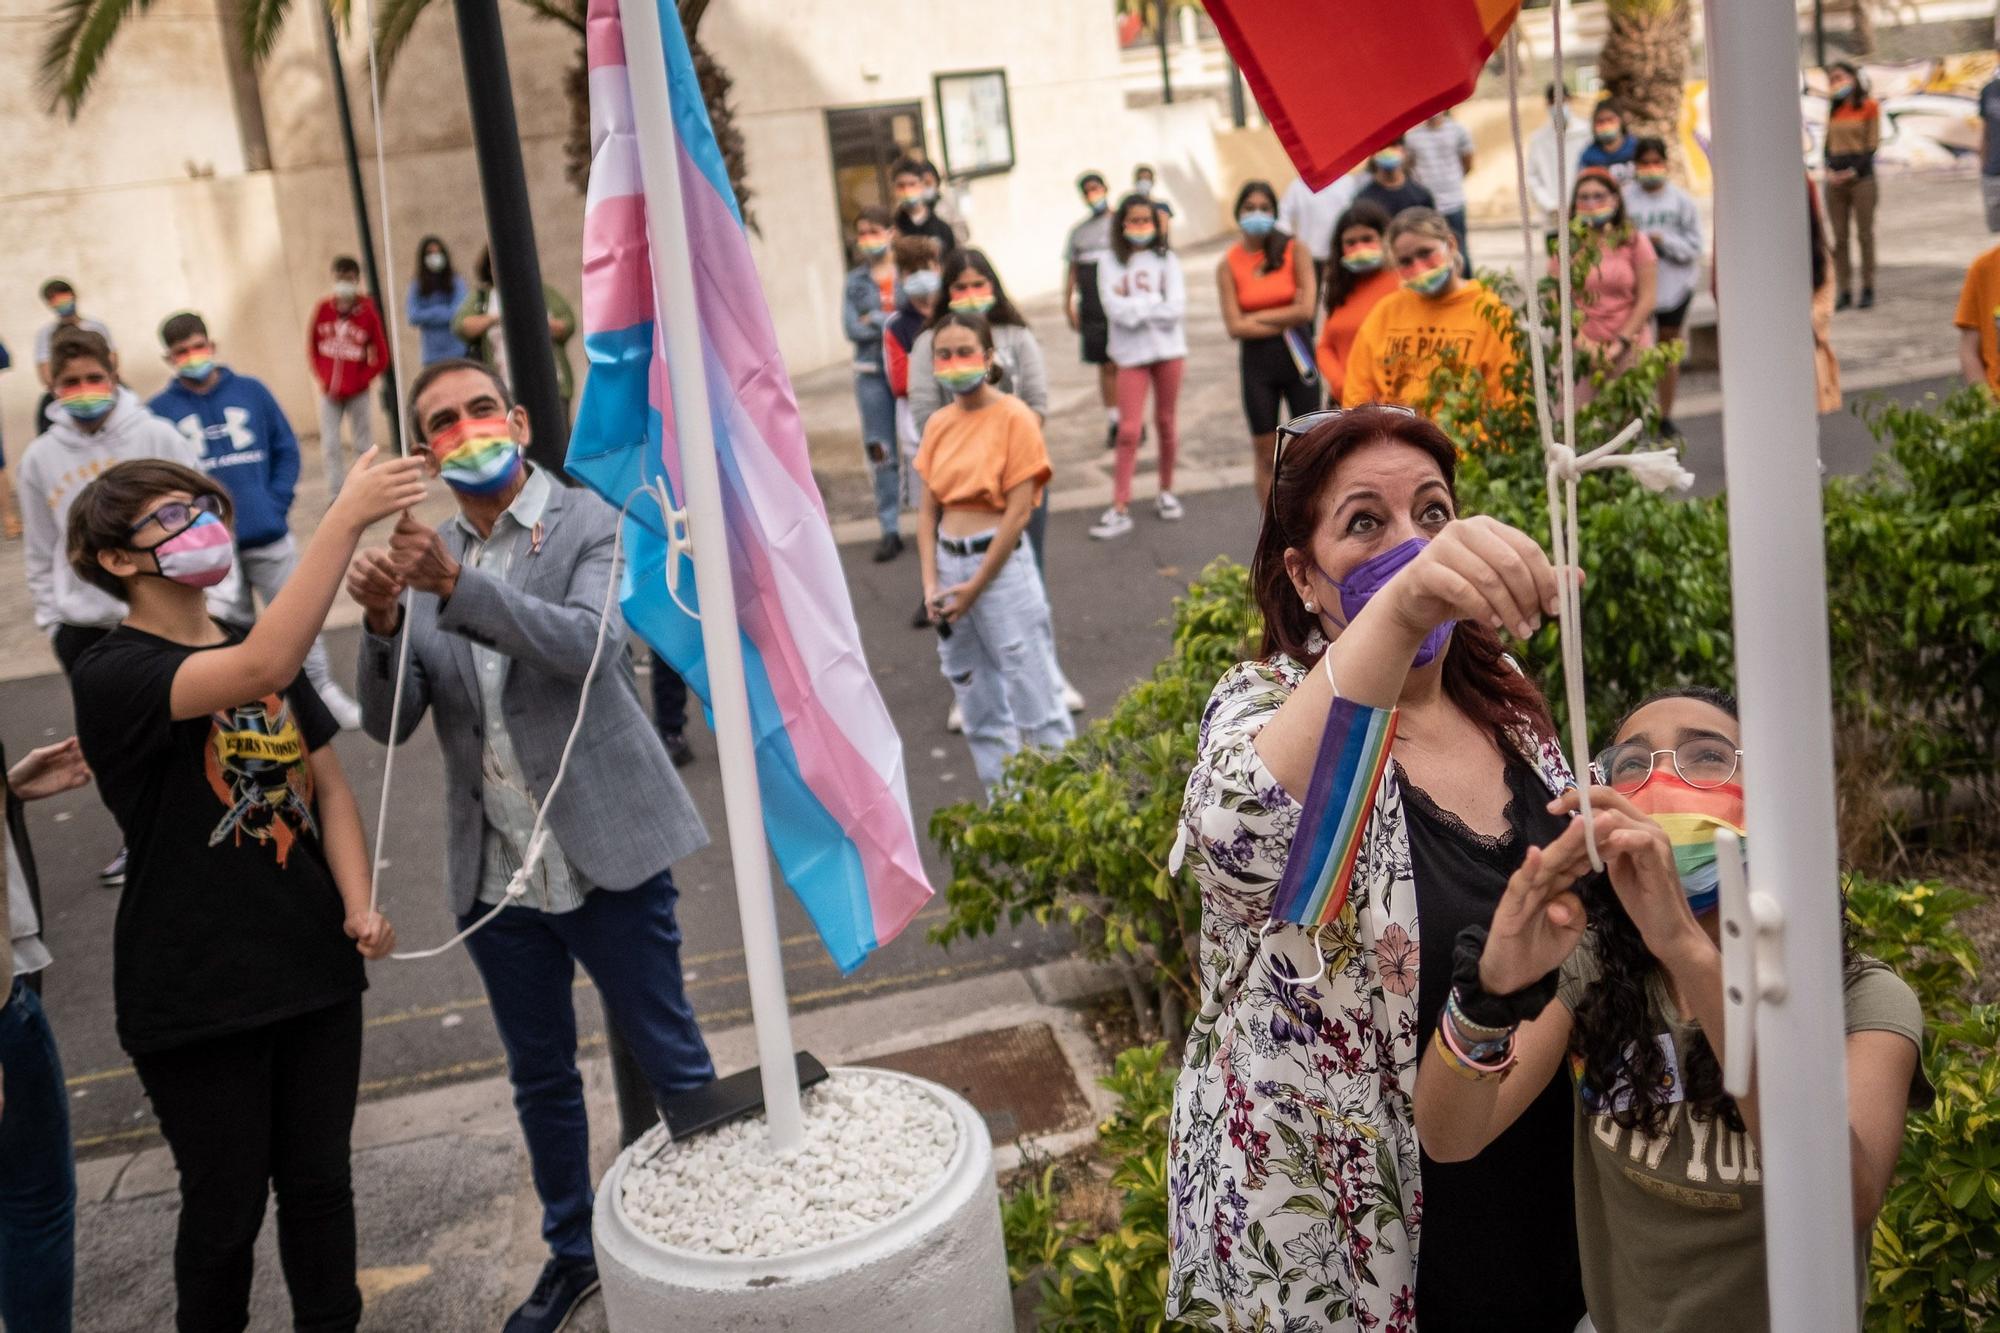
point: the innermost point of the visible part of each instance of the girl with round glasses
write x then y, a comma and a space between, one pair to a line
1669, 1190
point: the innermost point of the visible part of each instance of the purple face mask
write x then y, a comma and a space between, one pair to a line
1371, 576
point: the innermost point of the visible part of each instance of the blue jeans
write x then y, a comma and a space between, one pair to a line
37, 1177
878, 442
630, 945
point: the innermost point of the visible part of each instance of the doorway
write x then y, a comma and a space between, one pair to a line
865, 142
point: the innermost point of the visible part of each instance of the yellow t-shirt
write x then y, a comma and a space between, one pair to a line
1406, 337
1979, 307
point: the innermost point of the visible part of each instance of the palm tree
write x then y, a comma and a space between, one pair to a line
1644, 62
80, 33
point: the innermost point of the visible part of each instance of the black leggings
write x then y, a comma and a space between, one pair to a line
269, 1107
1269, 377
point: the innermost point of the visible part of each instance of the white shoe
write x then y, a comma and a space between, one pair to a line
954, 721
1071, 699
345, 711
1113, 523
1168, 507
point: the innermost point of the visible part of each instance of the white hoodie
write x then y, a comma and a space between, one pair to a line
1146, 303
53, 472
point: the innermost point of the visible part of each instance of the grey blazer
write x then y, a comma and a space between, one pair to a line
622, 815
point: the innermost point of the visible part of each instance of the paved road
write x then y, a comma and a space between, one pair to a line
427, 1020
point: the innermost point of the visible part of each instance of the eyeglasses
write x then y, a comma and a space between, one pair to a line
1307, 422
174, 515
1701, 762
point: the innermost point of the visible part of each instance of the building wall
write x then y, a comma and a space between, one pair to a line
145, 204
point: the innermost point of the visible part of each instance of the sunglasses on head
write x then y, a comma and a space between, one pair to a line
1306, 422
175, 515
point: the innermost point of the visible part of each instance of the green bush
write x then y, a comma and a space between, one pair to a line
1116, 1280
1081, 836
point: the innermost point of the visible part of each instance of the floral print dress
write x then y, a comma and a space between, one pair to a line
1292, 1157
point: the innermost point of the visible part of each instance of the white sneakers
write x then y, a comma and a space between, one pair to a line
954, 721
345, 711
1111, 524
1115, 522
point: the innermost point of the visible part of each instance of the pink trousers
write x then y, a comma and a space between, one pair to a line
1164, 377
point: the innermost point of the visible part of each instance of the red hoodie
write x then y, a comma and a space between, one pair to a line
347, 350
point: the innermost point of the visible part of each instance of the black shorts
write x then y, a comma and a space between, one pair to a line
1092, 324
1269, 378
1669, 322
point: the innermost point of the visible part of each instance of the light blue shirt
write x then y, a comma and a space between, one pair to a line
508, 799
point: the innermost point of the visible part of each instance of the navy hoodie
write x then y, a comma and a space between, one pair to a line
246, 444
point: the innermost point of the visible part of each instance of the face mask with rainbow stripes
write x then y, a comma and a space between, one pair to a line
86, 402
477, 456
1692, 816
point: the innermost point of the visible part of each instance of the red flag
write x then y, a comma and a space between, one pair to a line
1337, 80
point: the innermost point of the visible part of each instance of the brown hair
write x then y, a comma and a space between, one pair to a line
102, 516
912, 253
875, 215
79, 345
443, 366
1123, 248
1479, 677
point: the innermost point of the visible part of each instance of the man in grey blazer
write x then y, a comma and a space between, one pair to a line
502, 628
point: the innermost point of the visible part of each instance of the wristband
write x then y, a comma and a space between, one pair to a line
1456, 1061
1484, 1010
1469, 1032
1479, 1050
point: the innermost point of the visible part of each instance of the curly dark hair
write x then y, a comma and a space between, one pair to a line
1615, 1025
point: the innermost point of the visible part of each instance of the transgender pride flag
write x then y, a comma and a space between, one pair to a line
836, 806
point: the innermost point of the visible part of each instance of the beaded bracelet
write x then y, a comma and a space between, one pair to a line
1474, 1034
1478, 1067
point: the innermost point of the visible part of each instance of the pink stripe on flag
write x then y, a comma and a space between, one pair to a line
617, 270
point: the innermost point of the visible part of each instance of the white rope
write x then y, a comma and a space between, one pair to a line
538, 836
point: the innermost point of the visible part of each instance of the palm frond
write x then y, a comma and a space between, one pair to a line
260, 22
79, 35
394, 21
570, 13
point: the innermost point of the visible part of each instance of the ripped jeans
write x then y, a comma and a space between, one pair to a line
1000, 661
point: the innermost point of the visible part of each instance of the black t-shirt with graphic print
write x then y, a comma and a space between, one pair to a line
229, 918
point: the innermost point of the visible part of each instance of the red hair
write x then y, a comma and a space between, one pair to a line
1479, 677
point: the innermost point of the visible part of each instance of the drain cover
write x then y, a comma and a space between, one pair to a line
1016, 1077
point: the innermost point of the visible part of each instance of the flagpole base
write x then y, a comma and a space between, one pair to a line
939, 1262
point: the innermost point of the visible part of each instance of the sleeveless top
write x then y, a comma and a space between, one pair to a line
1256, 290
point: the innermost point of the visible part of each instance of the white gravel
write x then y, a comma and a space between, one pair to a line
873, 1145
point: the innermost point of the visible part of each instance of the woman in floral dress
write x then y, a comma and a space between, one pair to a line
1299, 1191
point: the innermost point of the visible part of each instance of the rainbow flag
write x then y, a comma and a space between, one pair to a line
1353, 754
1337, 81
836, 804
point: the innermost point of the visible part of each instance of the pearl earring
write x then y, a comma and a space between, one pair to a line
1312, 607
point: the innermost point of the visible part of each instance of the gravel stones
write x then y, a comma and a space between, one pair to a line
874, 1143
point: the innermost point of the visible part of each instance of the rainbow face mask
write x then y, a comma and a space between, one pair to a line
477, 457
86, 402
1362, 258
1431, 281
1598, 216
973, 301
1692, 816
194, 366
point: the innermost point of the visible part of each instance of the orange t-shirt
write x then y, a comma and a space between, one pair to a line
971, 459
1336, 339
1979, 307
1257, 290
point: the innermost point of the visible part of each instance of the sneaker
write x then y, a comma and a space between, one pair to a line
113, 874
1111, 435
1668, 430
1168, 507
564, 1285
954, 721
1867, 300
345, 711
678, 748
1843, 301
888, 548
1071, 699
1112, 523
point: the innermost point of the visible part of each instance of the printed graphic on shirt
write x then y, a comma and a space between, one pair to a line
1404, 350
256, 764
1694, 1161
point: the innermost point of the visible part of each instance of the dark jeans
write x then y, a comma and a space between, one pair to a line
273, 1106
1456, 221
670, 698
37, 1177
1038, 527
630, 944
71, 640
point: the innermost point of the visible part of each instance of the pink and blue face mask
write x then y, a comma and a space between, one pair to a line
1371, 576
199, 555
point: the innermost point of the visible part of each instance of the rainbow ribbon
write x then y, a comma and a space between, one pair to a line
1353, 755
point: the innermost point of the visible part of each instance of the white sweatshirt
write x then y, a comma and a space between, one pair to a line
1146, 302
54, 470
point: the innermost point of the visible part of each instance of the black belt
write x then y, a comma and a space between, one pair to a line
976, 546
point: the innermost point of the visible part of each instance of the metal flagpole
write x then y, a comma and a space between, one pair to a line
680, 326
1778, 578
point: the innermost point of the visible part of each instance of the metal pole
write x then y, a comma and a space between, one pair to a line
1239, 114
1819, 33
510, 231
1778, 578
674, 302
362, 228
1166, 74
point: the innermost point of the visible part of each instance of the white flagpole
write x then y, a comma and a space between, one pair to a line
680, 326
1778, 578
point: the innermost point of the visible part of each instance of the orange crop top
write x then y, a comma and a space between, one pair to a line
971, 459
1256, 290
